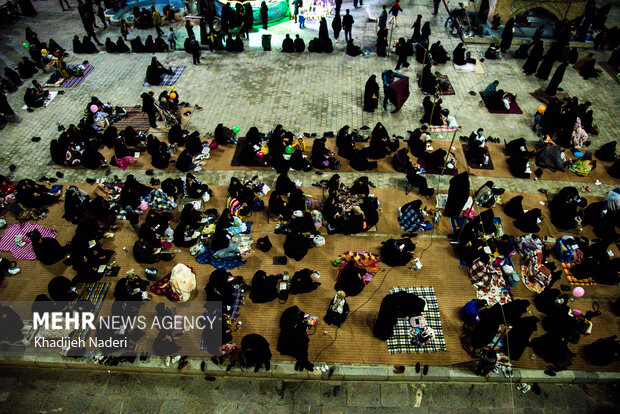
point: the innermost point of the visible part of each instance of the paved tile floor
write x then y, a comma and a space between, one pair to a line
305, 93
62, 391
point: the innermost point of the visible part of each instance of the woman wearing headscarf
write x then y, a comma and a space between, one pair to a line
426, 31
350, 279
110, 46
338, 310
438, 53
264, 14
324, 40
88, 46
352, 49
136, 45
507, 35
264, 288
380, 144
458, 55
416, 28
531, 63
371, 94
121, 46
149, 44
336, 25
428, 81
552, 88
382, 42
547, 64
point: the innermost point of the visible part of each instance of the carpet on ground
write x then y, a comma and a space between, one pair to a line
572, 280
400, 341
94, 293
489, 166
168, 80
7, 241
541, 96
71, 81
514, 107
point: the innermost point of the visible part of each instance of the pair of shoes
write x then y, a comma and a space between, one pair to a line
399, 369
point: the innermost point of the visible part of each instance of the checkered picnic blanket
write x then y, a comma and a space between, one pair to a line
236, 307
574, 281
400, 341
7, 241
94, 293
171, 79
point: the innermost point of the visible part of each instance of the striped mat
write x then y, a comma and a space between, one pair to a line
7, 241
94, 293
171, 79
572, 280
400, 341
74, 82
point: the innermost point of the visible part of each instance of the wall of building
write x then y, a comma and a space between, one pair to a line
510, 8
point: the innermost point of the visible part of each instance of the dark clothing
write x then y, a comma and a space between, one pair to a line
371, 94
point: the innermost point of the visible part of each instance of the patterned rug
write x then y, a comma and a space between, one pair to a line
74, 82
489, 166
541, 96
168, 80
135, 118
7, 241
572, 280
236, 307
447, 89
400, 341
206, 257
94, 293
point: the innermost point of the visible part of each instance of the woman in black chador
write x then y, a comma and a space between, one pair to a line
350, 280
507, 35
547, 64
552, 88
531, 63
371, 94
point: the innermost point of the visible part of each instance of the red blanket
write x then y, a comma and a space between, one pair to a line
400, 90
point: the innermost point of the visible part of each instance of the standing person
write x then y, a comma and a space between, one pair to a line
371, 94
263, 14
63, 7
416, 26
383, 19
101, 15
402, 53
388, 78
156, 21
124, 29
336, 25
355, 4
195, 49
556, 79
5, 108
436, 7
507, 35
148, 106
382, 42
302, 18
172, 39
531, 63
394, 12
189, 28
296, 8
347, 25
338, 5
538, 33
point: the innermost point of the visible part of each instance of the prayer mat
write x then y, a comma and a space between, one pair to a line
572, 280
442, 128
94, 293
400, 341
206, 257
73, 81
470, 68
445, 86
611, 70
135, 118
7, 241
489, 166
50, 98
514, 107
541, 96
236, 159
168, 80
237, 303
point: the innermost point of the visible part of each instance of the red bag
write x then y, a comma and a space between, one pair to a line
213, 144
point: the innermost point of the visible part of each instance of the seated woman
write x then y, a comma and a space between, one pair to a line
477, 154
88, 46
264, 288
338, 310
47, 249
438, 53
186, 234
160, 45
155, 71
359, 161
149, 44
588, 70
299, 162
288, 46
121, 46
195, 189
352, 49
136, 45
350, 279
158, 150
32, 99
223, 135
293, 339
428, 81
380, 143
26, 68
278, 206
296, 245
256, 351
110, 46
565, 208
220, 288
77, 45
303, 282
185, 161
61, 289
461, 57
397, 252
144, 252
33, 195
354, 221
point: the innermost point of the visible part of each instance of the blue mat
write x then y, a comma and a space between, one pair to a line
206, 257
